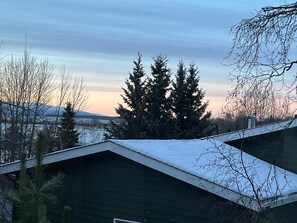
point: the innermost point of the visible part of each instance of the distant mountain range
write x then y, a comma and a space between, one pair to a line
52, 111
48, 110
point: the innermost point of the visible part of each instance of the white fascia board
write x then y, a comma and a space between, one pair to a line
186, 177
58, 156
10, 167
156, 165
279, 201
74, 153
260, 130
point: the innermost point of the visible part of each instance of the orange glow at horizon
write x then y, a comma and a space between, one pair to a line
215, 105
103, 102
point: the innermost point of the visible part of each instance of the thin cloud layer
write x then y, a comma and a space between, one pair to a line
101, 38
117, 27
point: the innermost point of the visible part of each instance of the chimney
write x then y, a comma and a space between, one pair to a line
252, 122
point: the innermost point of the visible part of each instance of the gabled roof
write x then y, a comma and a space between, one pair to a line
259, 130
207, 164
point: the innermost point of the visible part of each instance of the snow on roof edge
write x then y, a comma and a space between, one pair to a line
214, 187
159, 165
195, 180
250, 132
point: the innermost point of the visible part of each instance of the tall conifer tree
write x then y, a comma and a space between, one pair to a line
34, 192
69, 135
188, 105
158, 105
132, 114
154, 110
179, 98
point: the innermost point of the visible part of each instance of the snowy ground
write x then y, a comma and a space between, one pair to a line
90, 134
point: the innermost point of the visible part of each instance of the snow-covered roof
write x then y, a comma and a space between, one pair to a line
207, 164
259, 130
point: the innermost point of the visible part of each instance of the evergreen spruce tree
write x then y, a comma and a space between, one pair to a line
69, 135
178, 96
132, 115
158, 105
188, 105
33, 191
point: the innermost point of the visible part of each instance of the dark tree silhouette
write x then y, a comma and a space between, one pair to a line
133, 113
158, 105
69, 135
188, 106
154, 109
33, 191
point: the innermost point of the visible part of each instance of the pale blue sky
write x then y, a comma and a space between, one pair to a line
100, 39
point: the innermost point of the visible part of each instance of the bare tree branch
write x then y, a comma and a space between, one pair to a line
264, 47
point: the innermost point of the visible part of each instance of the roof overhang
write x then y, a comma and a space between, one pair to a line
251, 132
157, 165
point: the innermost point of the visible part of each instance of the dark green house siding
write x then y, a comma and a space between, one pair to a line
106, 186
279, 148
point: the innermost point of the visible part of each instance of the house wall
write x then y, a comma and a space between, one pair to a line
279, 148
105, 186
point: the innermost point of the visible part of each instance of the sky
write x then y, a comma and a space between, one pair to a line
100, 39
